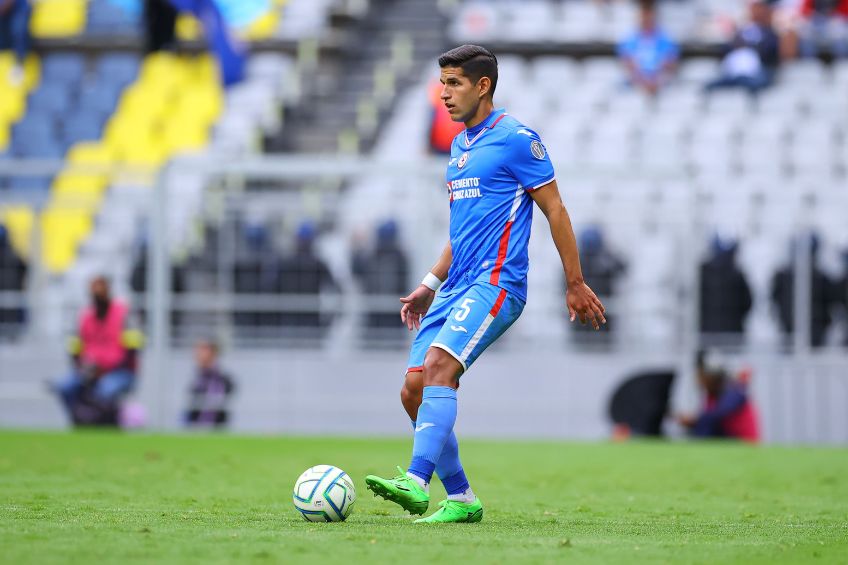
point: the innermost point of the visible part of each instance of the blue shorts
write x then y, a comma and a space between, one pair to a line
464, 323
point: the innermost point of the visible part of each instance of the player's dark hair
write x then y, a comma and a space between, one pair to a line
475, 61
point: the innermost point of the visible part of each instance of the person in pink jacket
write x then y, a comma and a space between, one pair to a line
105, 356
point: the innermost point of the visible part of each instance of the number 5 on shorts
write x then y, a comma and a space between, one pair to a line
464, 310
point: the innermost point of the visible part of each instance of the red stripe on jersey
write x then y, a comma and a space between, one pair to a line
496, 121
415, 369
498, 303
496, 271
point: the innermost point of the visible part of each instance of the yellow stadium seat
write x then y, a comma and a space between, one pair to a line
19, 221
62, 231
91, 153
58, 18
188, 28
32, 72
78, 190
201, 104
151, 153
207, 70
262, 27
72, 181
5, 134
12, 103
183, 136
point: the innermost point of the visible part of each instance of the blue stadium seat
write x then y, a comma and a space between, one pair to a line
99, 97
118, 68
29, 188
107, 17
35, 137
63, 67
82, 126
51, 99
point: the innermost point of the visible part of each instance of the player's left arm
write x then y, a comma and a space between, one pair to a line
581, 300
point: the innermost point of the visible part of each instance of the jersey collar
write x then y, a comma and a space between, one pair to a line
475, 133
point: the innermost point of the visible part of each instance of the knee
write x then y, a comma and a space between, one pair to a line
410, 396
441, 369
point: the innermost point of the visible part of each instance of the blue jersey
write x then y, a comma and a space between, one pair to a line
492, 168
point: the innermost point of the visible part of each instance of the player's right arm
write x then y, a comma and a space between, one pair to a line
416, 304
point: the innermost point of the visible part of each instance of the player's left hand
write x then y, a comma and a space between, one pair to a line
582, 303
415, 305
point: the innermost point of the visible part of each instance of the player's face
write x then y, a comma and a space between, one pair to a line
460, 96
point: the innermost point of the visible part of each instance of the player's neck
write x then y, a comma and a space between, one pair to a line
483, 110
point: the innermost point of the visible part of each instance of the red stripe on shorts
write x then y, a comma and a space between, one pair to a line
498, 303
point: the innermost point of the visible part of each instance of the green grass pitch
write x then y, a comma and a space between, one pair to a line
111, 498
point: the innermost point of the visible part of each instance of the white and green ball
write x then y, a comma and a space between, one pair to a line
324, 494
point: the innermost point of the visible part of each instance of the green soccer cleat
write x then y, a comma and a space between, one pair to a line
401, 490
453, 511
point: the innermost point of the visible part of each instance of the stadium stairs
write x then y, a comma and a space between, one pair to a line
380, 57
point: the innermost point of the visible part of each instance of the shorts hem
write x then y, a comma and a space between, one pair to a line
452, 353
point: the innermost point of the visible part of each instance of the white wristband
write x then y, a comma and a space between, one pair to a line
432, 282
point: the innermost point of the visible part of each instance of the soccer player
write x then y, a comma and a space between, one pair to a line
498, 167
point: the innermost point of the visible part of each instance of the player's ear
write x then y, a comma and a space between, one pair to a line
484, 86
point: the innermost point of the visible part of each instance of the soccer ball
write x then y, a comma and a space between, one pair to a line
324, 494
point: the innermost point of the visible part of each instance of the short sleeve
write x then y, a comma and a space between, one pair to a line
528, 162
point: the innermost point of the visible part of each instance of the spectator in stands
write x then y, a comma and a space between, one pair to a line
105, 359
649, 55
602, 268
304, 273
442, 128
211, 389
14, 33
728, 410
824, 295
13, 272
823, 22
753, 57
383, 272
725, 294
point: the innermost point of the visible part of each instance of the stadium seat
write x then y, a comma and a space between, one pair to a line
50, 99
779, 102
604, 70
840, 74
62, 229
99, 97
95, 154
82, 191
35, 187
698, 70
58, 18
63, 67
19, 220
554, 70
108, 17
82, 126
810, 72
118, 68
730, 103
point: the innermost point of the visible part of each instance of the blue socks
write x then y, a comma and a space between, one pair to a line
449, 467
435, 447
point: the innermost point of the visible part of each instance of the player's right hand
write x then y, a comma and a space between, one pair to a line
415, 305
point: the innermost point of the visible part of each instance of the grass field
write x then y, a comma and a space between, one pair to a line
102, 497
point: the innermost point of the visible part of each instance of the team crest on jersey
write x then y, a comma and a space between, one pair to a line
462, 160
537, 149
